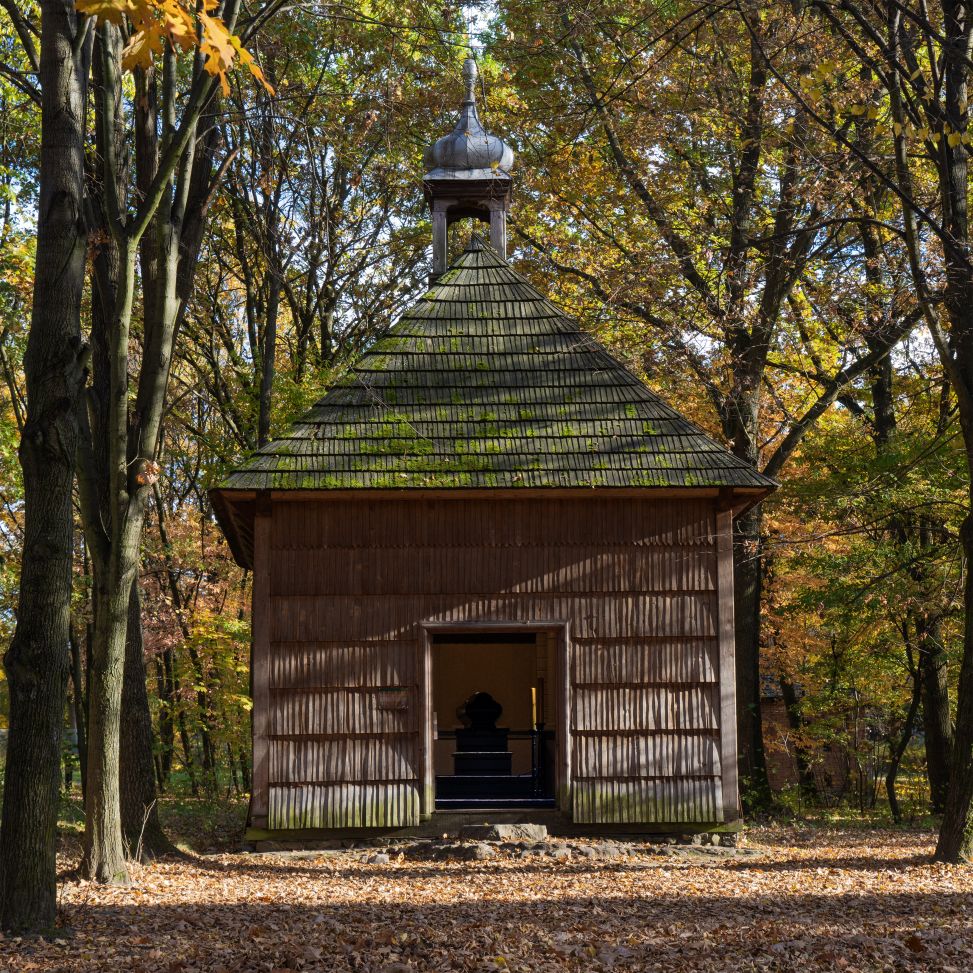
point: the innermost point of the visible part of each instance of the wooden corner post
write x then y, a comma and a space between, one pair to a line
727, 640
260, 796
427, 776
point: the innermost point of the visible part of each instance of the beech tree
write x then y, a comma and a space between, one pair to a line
156, 226
55, 366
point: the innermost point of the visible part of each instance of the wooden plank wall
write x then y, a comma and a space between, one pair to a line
351, 582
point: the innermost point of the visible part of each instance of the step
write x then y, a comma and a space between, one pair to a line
498, 804
485, 786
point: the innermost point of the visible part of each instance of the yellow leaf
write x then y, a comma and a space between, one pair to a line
156, 21
113, 11
143, 47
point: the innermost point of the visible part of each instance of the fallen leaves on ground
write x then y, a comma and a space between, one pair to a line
815, 900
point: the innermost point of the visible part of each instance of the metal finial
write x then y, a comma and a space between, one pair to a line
470, 74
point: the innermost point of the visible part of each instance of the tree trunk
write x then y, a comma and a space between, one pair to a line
805, 776
747, 579
936, 723
269, 359
187, 752
898, 751
37, 662
141, 829
165, 691
956, 832
104, 852
78, 701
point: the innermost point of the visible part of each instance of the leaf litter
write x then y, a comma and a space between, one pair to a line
844, 900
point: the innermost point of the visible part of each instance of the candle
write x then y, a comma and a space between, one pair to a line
533, 707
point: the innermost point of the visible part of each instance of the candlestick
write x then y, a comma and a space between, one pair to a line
533, 707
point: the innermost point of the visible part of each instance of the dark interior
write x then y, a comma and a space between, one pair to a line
495, 755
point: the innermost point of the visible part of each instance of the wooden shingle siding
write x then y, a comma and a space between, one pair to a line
637, 755
657, 800
299, 665
352, 583
347, 758
355, 618
625, 708
353, 527
314, 712
361, 805
447, 570
659, 661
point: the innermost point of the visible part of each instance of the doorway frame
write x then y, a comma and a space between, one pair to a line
560, 631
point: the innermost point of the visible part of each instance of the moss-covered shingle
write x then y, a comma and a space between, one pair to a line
486, 383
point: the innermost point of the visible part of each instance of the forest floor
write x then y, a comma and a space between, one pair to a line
812, 899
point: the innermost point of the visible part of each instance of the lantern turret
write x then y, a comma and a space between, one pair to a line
468, 176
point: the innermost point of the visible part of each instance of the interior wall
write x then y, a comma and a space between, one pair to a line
507, 673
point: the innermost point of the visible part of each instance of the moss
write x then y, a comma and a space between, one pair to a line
646, 479
444, 465
396, 446
391, 344
631, 412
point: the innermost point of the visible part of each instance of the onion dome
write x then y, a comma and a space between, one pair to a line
469, 151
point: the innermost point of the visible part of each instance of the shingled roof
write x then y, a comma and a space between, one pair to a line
484, 383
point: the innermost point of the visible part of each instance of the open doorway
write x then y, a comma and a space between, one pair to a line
494, 718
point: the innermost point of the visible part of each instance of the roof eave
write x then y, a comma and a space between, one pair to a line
236, 508
236, 521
